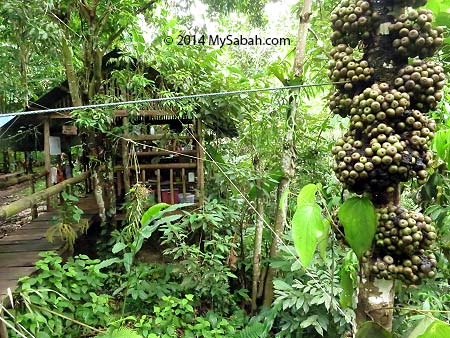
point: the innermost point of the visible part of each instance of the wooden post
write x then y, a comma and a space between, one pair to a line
34, 210
3, 331
5, 161
183, 183
125, 159
158, 185
119, 176
172, 192
16, 165
47, 158
200, 168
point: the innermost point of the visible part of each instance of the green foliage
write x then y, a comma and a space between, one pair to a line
122, 332
95, 119
348, 274
201, 245
372, 330
308, 227
442, 144
68, 223
437, 329
138, 200
306, 303
359, 220
253, 330
72, 289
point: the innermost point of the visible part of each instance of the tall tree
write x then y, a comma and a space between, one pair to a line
288, 153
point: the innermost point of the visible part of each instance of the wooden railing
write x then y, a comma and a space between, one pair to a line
30, 201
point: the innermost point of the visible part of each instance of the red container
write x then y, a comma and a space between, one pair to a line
166, 196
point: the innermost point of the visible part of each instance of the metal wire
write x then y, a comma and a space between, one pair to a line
172, 98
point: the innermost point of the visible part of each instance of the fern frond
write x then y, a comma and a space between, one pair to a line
253, 330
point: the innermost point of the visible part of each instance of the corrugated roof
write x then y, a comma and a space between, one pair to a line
5, 119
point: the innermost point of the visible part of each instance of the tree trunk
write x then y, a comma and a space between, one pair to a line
375, 302
259, 225
72, 77
288, 156
376, 296
23, 54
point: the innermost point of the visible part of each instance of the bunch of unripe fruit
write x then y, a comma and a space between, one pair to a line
389, 134
401, 242
344, 68
423, 82
414, 34
351, 22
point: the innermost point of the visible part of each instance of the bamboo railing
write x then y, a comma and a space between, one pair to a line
29, 201
20, 179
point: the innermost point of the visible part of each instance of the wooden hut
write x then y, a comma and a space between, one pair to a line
157, 147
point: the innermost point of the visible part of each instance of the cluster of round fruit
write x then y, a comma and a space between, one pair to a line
377, 104
352, 21
340, 103
410, 270
423, 82
402, 240
413, 34
379, 166
387, 142
345, 68
403, 232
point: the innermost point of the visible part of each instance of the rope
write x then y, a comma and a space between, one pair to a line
172, 98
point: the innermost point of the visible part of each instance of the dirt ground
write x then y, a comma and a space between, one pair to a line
12, 194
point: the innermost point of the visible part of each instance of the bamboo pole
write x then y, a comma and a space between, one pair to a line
21, 179
28, 201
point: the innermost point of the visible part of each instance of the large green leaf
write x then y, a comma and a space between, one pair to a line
307, 195
420, 327
323, 239
372, 330
359, 219
152, 212
437, 329
307, 227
